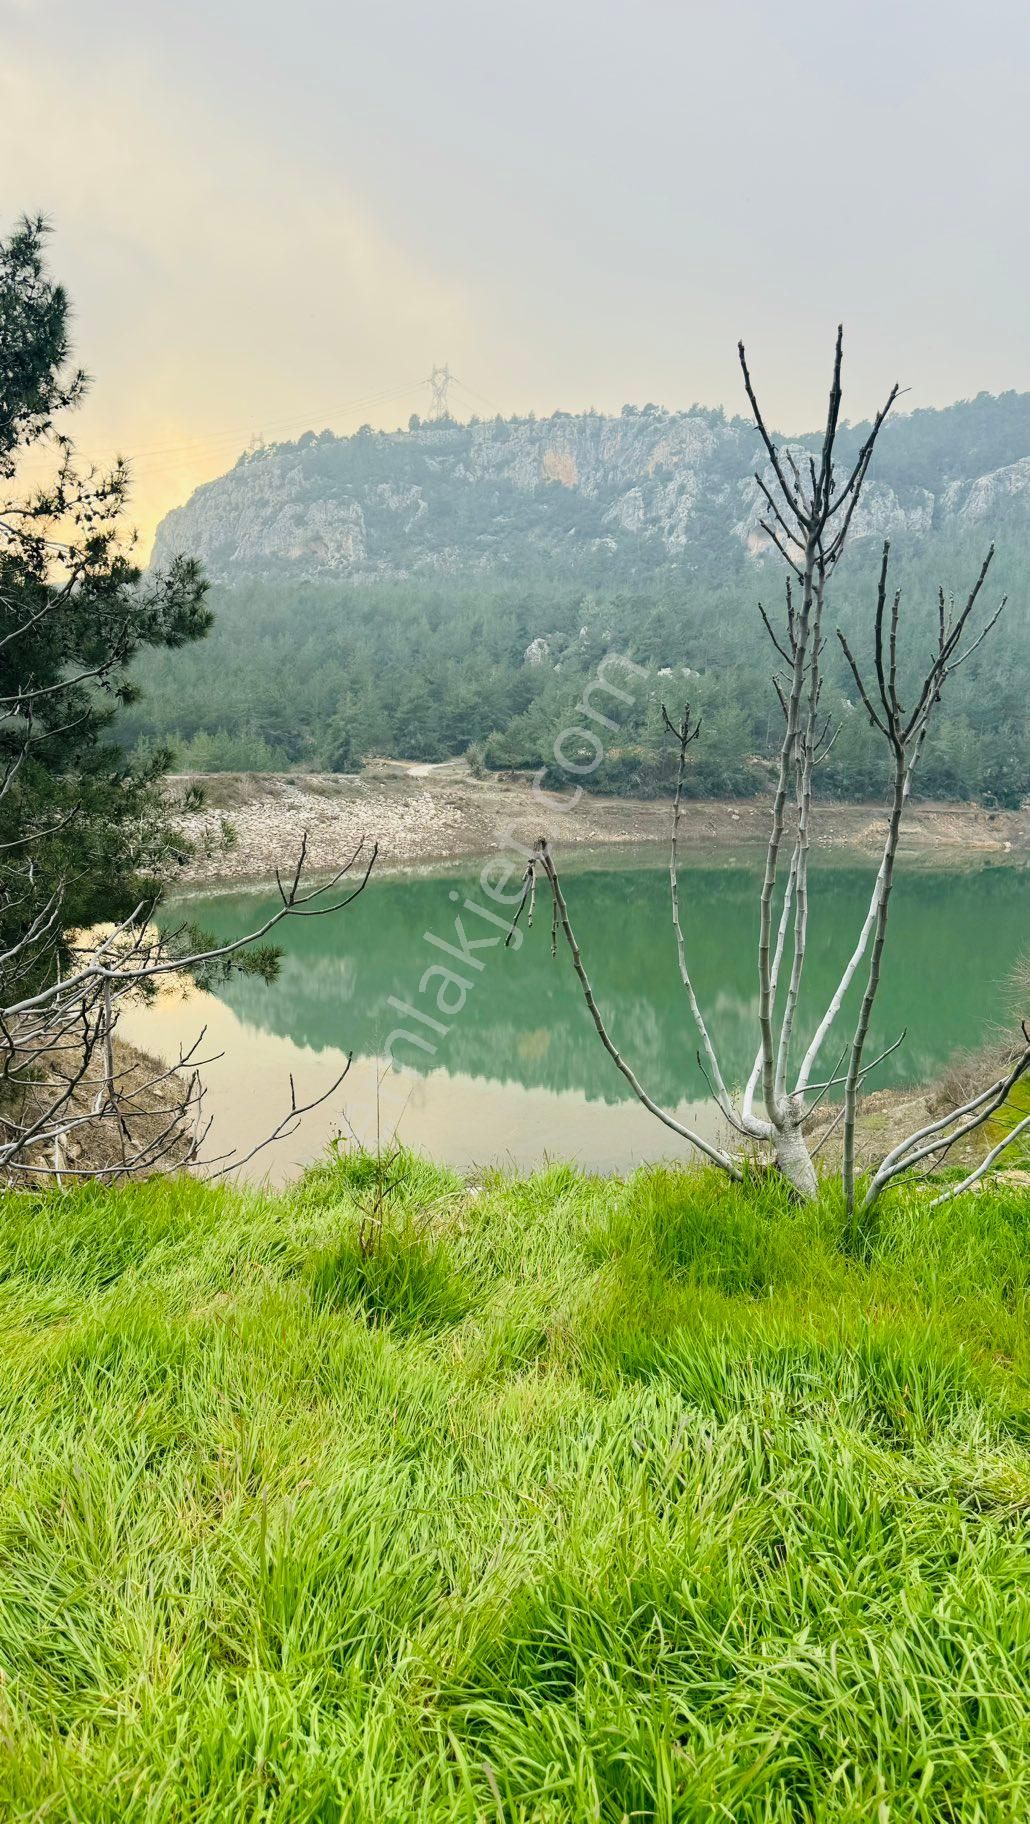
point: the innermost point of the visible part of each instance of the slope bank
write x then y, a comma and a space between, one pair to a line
423, 815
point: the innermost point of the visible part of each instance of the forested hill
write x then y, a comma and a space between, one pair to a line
586, 496
419, 594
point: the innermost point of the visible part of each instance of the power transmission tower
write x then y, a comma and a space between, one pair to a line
439, 380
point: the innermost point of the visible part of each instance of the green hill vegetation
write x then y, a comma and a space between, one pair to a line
417, 594
556, 1499
316, 674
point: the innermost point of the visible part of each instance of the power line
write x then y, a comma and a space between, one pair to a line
491, 407
227, 436
150, 461
439, 381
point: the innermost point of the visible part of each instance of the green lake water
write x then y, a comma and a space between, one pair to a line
519, 1072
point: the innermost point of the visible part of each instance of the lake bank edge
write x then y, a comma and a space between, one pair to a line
432, 818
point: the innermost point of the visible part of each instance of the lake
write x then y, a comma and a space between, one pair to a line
512, 1070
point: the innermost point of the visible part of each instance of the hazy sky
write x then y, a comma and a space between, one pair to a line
272, 217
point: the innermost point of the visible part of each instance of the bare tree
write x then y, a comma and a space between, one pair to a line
60, 1079
808, 511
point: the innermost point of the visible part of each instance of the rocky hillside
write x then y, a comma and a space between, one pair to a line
643, 490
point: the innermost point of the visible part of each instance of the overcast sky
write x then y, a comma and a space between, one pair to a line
279, 216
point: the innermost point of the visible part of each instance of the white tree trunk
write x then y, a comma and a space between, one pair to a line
795, 1162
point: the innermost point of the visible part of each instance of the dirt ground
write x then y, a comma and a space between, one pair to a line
422, 814
151, 1099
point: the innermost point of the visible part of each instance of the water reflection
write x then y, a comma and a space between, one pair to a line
519, 1072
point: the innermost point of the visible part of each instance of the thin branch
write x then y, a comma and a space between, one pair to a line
985, 1165
711, 1152
686, 733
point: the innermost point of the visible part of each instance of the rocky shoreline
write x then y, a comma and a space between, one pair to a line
420, 815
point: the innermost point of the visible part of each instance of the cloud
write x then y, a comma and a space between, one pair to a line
219, 289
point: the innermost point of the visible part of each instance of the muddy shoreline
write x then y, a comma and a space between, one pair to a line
433, 815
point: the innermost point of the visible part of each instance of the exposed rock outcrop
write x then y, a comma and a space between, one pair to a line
651, 485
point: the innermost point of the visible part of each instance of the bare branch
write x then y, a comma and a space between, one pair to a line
985, 1165
715, 1154
793, 499
686, 733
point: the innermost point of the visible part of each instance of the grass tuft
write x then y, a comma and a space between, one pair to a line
402, 1276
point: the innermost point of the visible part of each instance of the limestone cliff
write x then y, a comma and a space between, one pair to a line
649, 487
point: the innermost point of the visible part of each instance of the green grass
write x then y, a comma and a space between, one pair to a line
1014, 1110
576, 1500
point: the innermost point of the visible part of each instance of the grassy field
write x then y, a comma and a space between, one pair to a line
575, 1500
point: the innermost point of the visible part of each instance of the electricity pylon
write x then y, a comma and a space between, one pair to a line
439, 380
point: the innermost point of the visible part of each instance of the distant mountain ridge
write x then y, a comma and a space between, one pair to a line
577, 493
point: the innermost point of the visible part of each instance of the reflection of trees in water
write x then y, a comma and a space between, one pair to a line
524, 1020
533, 1047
